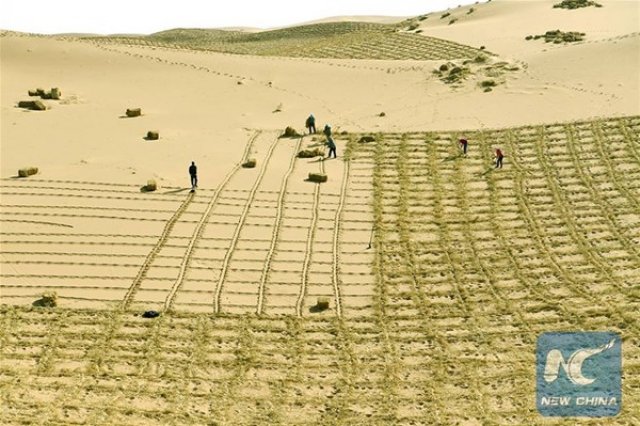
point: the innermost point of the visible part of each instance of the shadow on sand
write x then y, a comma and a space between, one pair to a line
175, 191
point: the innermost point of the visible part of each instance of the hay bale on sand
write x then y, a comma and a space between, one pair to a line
322, 303
317, 177
250, 163
32, 105
26, 104
310, 153
33, 93
40, 92
49, 299
290, 132
153, 135
46, 95
38, 106
55, 93
366, 139
150, 186
27, 171
134, 112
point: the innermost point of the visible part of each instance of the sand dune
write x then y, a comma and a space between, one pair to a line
439, 270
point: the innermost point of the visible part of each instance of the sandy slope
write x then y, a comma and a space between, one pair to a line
202, 112
502, 25
441, 335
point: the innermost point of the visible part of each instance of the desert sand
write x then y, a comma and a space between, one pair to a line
439, 271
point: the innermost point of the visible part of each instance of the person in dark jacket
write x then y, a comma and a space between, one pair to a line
499, 157
193, 172
332, 147
311, 124
327, 130
463, 145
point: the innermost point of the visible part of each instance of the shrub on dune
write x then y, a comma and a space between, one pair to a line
575, 4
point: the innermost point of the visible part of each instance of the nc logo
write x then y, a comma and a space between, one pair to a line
573, 366
579, 374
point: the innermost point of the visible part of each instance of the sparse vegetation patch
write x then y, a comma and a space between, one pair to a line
451, 73
575, 4
340, 40
557, 36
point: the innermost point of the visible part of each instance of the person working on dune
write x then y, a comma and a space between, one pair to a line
193, 172
463, 145
499, 157
311, 124
332, 147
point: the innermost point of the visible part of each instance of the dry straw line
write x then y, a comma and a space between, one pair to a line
83, 216
36, 222
310, 237
77, 207
598, 200
86, 196
462, 193
631, 138
521, 272
236, 234
276, 230
563, 205
197, 233
599, 136
142, 273
336, 240
541, 236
